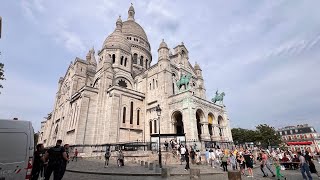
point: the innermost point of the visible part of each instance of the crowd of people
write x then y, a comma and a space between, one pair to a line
245, 158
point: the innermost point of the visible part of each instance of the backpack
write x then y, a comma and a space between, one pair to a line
55, 155
107, 154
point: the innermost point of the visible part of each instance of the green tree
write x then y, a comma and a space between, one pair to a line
1, 74
264, 134
268, 135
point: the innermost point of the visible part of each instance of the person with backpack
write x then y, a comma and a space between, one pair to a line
107, 157
56, 155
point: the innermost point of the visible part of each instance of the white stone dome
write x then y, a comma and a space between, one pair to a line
117, 40
131, 27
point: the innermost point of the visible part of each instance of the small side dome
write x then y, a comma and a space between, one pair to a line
163, 45
197, 67
117, 40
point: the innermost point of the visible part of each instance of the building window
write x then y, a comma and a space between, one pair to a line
135, 58
156, 83
113, 58
141, 61
125, 62
155, 126
150, 86
146, 63
153, 83
138, 117
172, 88
124, 115
131, 113
150, 126
121, 60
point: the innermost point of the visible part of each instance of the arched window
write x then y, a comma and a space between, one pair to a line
124, 115
156, 83
141, 61
146, 63
150, 126
113, 58
153, 83
121, 60
135, 58
125, 62
155, 126
138, 117
131, 113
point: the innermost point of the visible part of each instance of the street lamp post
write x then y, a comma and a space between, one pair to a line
158, 109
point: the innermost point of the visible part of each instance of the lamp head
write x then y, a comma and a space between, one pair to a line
158, 109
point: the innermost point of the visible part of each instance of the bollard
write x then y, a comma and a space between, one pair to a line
151, 166
234, 175
142, 163
146, 164
195, 174
157, 168
165, 172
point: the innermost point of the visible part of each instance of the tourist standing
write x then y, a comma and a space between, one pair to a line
75, 156
207, 156
107, 157
120, 158
312, 167
182, 153
186, 154
304, 168
55, 156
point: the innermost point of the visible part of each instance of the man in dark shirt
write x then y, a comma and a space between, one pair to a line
56, 155
65, 162
38, 162
249, 162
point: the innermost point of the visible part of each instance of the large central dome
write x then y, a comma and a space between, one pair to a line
131, 27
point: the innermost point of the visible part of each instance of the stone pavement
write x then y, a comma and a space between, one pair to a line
137, 172
97, 166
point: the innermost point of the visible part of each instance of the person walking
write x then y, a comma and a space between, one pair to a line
224, 160
182, 153
65, 162
304, 168
75, 156
55, 155
186, 154
38, 162
207, 156
278, 170
107, 157
233, 161
249, 162
312, 167
120, 158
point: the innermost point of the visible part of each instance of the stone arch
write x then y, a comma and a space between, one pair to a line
177, 122
199, 119
210, 123
220, 124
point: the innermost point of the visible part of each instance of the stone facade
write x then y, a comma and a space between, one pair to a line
113, 99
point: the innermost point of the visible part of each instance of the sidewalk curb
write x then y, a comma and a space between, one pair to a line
134, 174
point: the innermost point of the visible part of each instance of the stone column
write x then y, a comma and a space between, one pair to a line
205, 132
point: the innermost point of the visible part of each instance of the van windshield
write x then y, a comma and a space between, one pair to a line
13, 147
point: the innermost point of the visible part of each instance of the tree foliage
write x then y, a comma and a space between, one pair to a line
1, 73
264, 134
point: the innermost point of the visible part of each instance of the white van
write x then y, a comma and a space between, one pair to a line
16, 149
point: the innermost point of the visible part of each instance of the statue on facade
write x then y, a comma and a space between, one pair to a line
218, 97
184, 80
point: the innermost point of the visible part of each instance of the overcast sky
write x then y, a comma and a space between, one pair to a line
265, 55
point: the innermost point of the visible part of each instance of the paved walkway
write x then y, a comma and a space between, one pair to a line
96, 166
